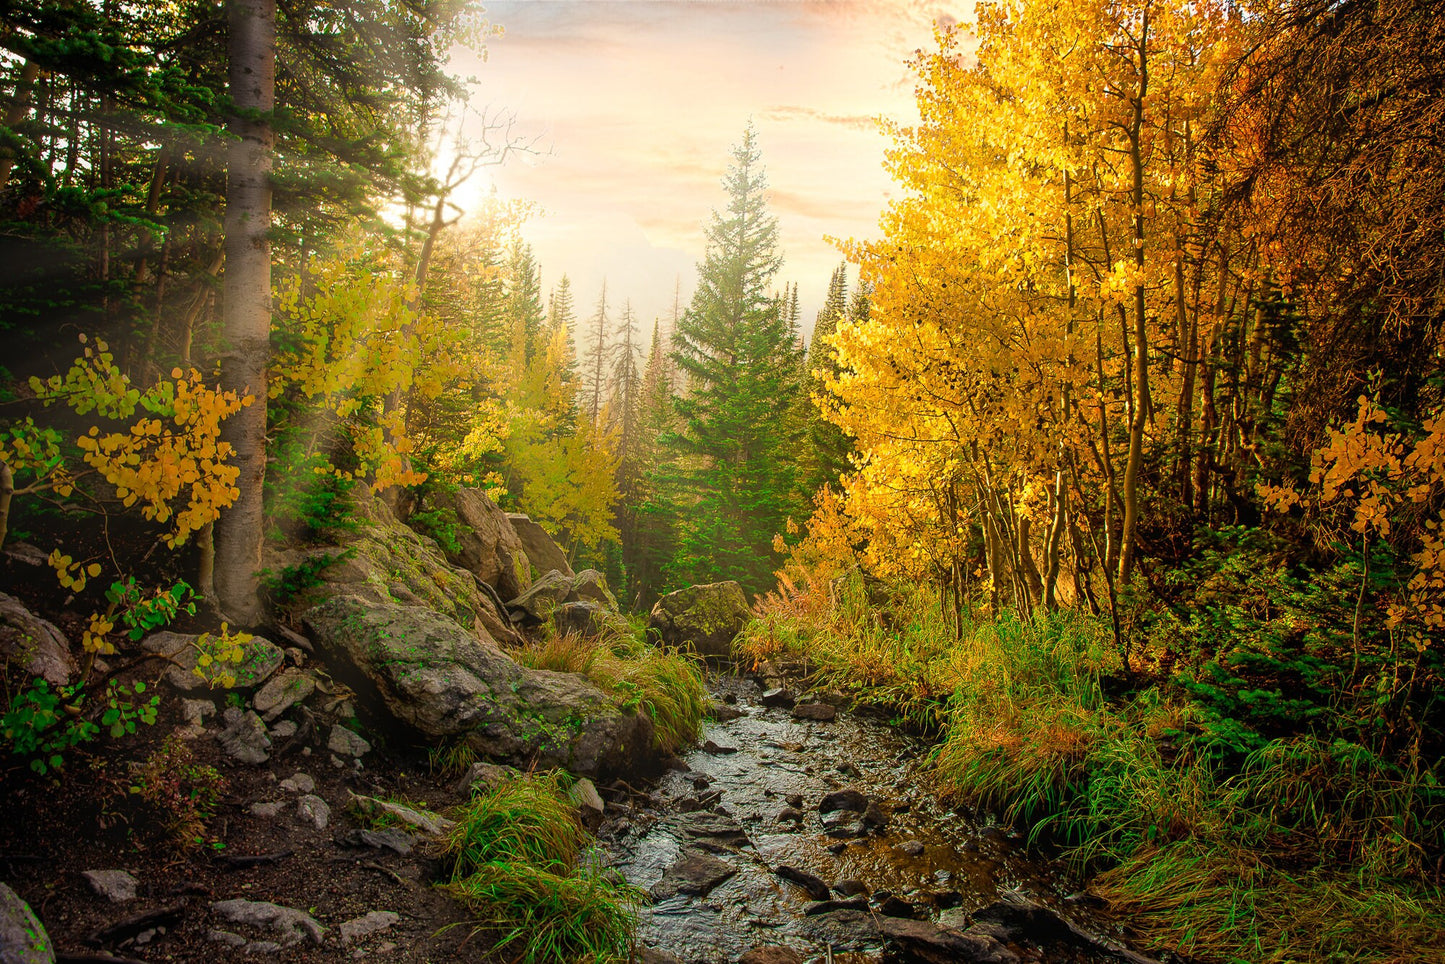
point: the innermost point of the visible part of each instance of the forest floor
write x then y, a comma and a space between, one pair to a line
86, 818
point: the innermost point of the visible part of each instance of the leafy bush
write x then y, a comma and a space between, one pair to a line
180, 794
44, 723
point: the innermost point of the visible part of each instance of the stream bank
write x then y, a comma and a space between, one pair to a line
805, 828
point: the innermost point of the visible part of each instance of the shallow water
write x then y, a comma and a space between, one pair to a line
727, 805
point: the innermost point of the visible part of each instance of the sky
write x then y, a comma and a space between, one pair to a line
633, 106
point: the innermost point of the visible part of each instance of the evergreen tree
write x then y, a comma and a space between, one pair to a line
651, 546
524, 312
594, 381
828, 447
733, 456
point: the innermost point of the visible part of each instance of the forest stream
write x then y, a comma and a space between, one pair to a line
822, 835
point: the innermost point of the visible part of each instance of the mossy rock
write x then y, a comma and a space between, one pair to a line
704, 619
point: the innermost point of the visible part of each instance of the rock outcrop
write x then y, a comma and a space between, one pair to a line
439, 680
705, 619
542, 551
489, 546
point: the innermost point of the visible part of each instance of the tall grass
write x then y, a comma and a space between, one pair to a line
1303, 850
519, 863
666, 685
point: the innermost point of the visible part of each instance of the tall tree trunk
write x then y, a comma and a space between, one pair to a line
247, 291
15, 113
1127, 536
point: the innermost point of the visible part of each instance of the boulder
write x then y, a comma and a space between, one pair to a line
705, 619
429, 674
813, 886
384, 561
542, 598
587, 618
489, 547
22, 937
542, 552
589, 585
36, 645
259, 659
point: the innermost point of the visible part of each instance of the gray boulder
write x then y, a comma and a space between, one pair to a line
22, 937
289, 924
542, 551
260, 658
589, 585
705, 619
36, 645
542, 598
490, 548
436, 678
384, 561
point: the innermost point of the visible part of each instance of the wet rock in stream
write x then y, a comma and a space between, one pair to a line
696, 874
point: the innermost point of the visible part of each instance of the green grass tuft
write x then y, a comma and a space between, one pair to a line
549, 918
526, 820
518, 863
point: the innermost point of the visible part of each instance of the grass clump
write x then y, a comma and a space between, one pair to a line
527, 820
666, 685
519, 863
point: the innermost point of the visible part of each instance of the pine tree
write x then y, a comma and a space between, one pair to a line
733, 456
828, 447
595, 379
524, 305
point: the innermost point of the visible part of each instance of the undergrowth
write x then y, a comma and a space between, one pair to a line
1304, 846
521, 863
666, 685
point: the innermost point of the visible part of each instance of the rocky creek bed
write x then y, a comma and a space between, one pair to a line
806, 833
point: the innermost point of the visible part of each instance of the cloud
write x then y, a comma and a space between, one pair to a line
858, 122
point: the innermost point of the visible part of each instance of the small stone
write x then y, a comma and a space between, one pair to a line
715, 750
814, 711
267, 810
778, 697
428, 823
812, 886
314, 811
291, 924
829, 906
694, 873
850, 888
346, 742
196, 712
874, 817
911, 848
790, 815
225, 937
392, 838
116, 886
896, 907
725, 712
283, 729
244, 737
849, 799
481, 777
363, 927
299, 782
795, 800
281, 692
588, 802
955, 917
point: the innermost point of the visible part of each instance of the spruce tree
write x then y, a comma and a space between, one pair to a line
734, 451
828, 447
